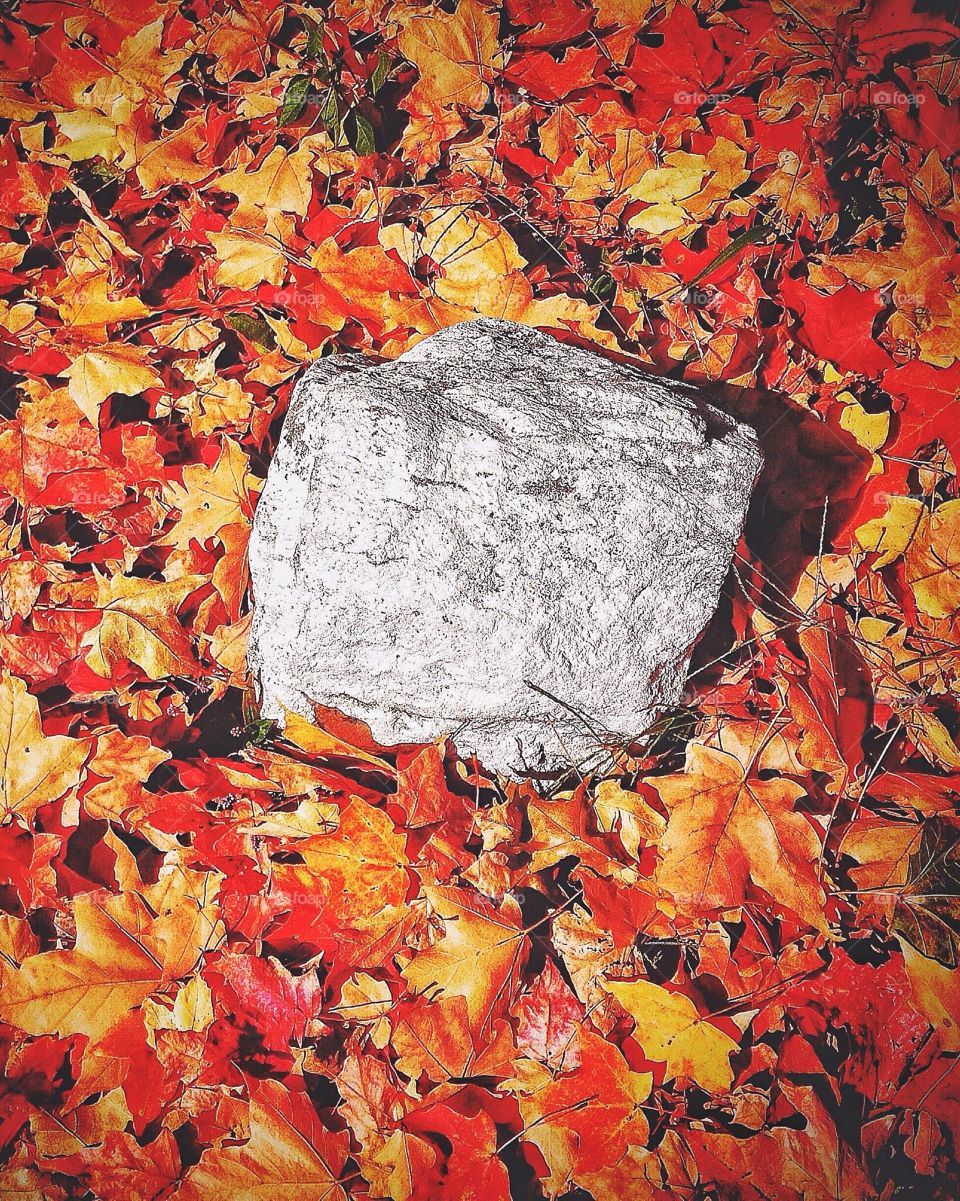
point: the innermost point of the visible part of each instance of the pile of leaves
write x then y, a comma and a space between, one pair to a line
237, 960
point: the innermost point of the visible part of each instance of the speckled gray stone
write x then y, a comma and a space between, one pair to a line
447, 541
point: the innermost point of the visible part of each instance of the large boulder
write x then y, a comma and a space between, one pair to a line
496, 536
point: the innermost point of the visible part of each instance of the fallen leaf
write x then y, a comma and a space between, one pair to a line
670, 1029
37, 768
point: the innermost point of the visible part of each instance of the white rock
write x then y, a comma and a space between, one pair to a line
491, 514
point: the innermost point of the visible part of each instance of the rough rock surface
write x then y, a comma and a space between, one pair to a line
448, 541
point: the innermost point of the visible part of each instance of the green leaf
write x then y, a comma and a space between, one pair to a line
256, 733
359, 133
254, 329
603, 285
314, 47
294, 99
381, 71
330, 116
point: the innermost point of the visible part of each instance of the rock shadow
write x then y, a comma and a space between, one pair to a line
807, 491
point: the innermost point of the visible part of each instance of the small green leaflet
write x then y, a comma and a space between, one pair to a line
330, 115
314, 47
359, 133
380, 71
256, 733
295, 98
254, 329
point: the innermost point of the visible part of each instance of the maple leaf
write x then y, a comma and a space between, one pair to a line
96, 374
116, 771
728, 829
118, 1165
282, 183
455, 55
138, 624
90, 989
36, 768
47, 439
468, 1168
477, 957
561, 827
549, 1018
831, 705
890, 535
86, 303
633, 817
581, 1120
932, 561
248, 259
318, 741
351, 888
212, 497
669, 1028
928, 902
289, 1154
174, 158
437, 1039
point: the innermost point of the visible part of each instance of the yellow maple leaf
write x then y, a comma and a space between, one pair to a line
212, 497
192, 1008
289, 1154
670, 1029
665, 189
139, 624
174, 158
218, 401
312, 738
455, 54
932, 561
480, 950
124, 763
91, 988
86, 133
98, 373
475, 256
247, 259
35, 768
935, 994
729, 829
283, 183
629, 814
890, 535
